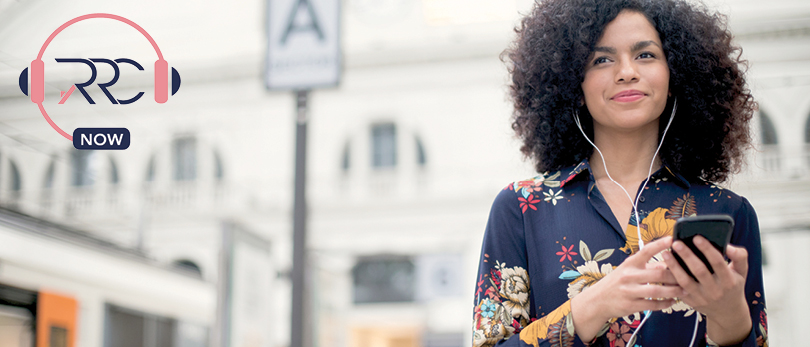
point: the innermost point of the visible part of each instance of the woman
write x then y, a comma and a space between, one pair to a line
580, 255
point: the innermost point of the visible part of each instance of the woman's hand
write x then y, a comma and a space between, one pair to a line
720, 296
626, 290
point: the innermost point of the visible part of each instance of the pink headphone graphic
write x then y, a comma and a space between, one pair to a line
37, 93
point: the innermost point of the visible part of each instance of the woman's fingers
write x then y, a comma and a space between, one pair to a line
714, 257
656, 291
652, 304
739, 259
695, 265
684, 280
654, 275
641, 258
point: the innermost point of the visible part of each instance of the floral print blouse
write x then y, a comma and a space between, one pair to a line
551, 237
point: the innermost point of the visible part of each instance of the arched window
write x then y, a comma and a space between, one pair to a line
767, 132
768, 158
383, 145
16, 179
83, 168
150, 169
184, 151
15, 186
807, 131
807, 141
188, 265
114, 179
219, 169
380, 279
421, 158
50, 172
346, 159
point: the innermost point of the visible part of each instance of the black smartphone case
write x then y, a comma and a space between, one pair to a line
716, 228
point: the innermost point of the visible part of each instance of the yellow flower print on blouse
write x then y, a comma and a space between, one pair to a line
539, 330
655, 226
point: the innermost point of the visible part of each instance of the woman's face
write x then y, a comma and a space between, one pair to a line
627, 78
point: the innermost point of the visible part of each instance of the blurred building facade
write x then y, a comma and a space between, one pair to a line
405, 157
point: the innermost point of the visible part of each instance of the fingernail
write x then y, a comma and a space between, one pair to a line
678, 246
666, 256
698, 241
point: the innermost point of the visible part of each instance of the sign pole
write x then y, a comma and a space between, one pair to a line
303, 53
299, 307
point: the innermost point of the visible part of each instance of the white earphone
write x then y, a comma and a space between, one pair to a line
652, 163
635, 202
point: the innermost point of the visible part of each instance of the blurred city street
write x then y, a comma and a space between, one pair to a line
185, 239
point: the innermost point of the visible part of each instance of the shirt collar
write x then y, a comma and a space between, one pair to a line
583, 169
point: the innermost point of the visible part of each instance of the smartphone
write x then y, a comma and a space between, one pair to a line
716, 228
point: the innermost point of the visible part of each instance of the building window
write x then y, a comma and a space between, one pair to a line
767, 131
219, 169
150, 170
807, 131
769, 158
15, 184
16, 180
18, 309
421, 159
383, 279
83, 164
383, 145
49, 175
131, 328
114, 179
189, 266
59, 337
807, 142
346, 159
184, 150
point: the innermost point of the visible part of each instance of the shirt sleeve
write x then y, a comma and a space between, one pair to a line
747, 235
502, 306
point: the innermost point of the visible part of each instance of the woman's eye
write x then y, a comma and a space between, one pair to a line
646, 55
600, 60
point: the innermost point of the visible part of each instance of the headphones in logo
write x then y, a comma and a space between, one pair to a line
37, 93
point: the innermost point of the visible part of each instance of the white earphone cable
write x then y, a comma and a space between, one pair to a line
638, 196
649, 172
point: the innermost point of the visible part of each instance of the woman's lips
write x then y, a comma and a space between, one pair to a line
628, 96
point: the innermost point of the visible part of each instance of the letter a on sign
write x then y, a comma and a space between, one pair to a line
303, 44
313, 21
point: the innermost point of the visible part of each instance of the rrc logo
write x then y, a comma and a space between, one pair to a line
97, 138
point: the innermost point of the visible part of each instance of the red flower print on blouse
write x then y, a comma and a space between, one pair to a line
566, 253
525, 204
763, 318
618, 335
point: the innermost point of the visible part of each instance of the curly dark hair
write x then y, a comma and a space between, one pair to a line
709, 134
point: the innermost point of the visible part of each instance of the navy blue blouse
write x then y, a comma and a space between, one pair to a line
552, 236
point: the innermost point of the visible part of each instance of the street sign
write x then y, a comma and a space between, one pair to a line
304, 44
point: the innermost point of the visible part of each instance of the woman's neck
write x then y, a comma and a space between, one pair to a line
627, 156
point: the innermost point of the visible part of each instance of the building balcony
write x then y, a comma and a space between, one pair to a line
778, 163
107, 202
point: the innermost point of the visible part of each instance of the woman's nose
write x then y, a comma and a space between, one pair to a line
626, 71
